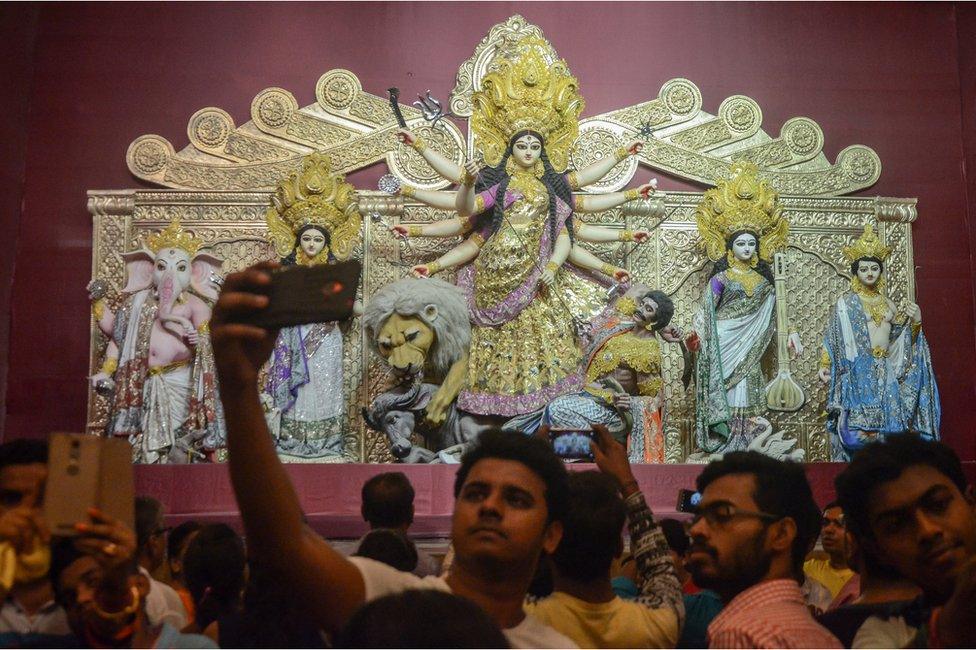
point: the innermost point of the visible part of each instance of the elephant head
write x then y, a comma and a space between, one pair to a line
172, 264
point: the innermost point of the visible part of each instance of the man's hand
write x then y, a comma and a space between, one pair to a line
20, 526
240, 350
611, 458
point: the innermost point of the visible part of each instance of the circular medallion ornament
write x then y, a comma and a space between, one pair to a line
803, 136
594, 143
273, 107
741, 114
389, 183
209, 128
337, 89
681, 96
148, 155
860, 164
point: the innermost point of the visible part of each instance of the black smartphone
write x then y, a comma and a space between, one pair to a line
299, 295
572, 444
688, 501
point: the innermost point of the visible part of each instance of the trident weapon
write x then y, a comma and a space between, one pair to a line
432, 109
783, 393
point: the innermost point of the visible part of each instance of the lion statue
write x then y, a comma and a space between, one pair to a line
420, 327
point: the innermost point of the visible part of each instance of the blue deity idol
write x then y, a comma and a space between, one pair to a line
875, 360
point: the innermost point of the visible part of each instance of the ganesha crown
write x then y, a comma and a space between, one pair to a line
174, 237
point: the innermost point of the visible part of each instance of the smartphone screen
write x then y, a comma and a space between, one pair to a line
688, 501
572, 444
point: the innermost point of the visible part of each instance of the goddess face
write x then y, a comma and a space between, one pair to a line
868, 272
744, 247
527, 150
312, 242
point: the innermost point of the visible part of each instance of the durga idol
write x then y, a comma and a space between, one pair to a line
517, 213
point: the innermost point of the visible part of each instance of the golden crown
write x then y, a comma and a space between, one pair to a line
527, 87
742, 202
867, 245
174, 237
314, 196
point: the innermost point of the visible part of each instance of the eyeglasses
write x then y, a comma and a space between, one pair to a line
722, 512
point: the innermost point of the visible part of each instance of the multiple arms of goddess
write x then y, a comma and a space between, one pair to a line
463, 201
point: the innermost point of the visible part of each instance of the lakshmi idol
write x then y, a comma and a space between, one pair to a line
875, 360
314, 219
518, 213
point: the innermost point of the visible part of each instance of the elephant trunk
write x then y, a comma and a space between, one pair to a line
169, 290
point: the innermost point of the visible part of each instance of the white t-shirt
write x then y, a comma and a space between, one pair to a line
163, 604
381, 580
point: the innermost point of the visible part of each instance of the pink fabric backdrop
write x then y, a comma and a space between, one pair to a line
896, 77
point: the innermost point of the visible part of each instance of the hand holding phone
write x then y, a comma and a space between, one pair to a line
299, 295
86, 472
572, 444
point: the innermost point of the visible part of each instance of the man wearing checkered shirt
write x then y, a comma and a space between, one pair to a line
755, 524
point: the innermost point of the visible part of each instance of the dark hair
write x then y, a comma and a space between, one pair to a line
149, 513
23, 451
421, 618
534, 453
269, 619
542, 584
782, 489
178, 537
213, 569
388, 500
884, 461
832, 504
592, 528
856, 262
665, 308
390, 547
676, 535
555, 183
762, 267
292, 258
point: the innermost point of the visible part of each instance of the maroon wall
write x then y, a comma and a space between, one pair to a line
887, 76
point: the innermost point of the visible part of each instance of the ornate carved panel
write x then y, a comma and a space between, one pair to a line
233, 225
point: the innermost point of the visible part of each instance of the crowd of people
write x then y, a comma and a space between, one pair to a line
537, 556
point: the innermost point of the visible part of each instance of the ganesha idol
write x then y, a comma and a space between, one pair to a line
158, 367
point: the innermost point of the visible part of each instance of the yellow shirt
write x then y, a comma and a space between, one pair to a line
614, 624
833, 579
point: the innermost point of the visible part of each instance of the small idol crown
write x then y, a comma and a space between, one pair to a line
867, 245
174, 237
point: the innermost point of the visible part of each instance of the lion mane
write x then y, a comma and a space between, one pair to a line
409, 297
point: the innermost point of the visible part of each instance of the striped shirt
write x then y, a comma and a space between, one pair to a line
771, 614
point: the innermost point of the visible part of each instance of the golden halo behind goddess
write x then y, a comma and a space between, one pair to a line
315, 196
522, 90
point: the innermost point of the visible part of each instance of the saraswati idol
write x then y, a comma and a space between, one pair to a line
875, 360
517, 212
742, 227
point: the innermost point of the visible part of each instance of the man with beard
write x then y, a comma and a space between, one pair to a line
755, 524
908, 503
511, 495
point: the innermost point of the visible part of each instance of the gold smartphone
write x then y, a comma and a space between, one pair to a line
85, 471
